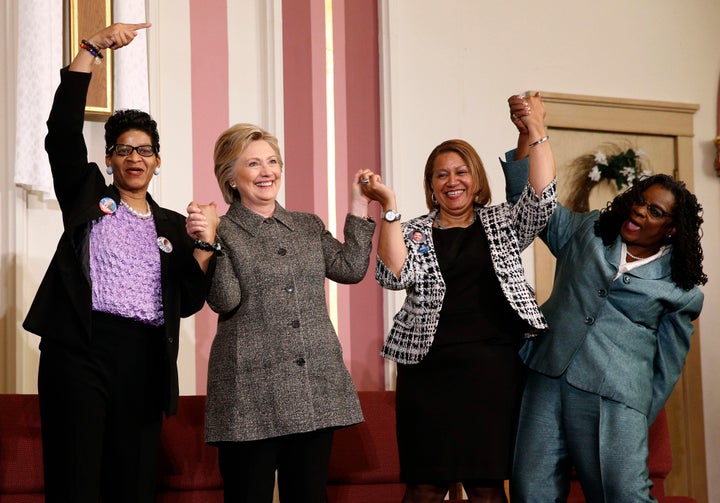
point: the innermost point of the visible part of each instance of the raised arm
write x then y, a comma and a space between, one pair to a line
114, 37
391, 245
530, 110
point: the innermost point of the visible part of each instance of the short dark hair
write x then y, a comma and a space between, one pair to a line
126, 120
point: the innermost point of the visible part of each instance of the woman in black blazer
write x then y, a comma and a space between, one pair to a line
109, 307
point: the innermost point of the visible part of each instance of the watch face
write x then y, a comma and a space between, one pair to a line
391, 216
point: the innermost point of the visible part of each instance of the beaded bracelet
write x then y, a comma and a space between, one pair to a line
84, 44
204, 245
541, 140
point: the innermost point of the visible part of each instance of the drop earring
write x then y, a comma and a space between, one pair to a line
108, 170
156, 171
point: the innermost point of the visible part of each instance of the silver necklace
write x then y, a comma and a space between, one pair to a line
132, 210
440, 225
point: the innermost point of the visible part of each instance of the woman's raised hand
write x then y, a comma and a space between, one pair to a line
518, 108
528, 112
374, 188
116, 35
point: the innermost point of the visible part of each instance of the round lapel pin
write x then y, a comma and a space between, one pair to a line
164, 244
107, 205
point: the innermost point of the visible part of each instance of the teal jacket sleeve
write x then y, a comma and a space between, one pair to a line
673, 344
516, 175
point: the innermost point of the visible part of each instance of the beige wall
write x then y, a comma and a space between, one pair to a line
450, 66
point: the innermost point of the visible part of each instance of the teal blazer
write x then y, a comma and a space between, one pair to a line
624, 339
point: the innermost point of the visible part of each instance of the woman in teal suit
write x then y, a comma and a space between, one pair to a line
624, 296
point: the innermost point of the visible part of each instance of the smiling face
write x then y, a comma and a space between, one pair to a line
453, 185
258, 174
132, 173
650, 221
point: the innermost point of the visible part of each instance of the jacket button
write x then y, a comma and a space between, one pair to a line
170, 340
282, 252
589, 320
602, 292
626, 279
300, 362
295, 324
289, 289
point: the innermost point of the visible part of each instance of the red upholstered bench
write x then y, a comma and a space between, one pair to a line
187, 467
21, 472
364, 464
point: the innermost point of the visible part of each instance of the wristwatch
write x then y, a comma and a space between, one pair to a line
391, 216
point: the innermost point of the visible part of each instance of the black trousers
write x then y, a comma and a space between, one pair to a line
101, 413
302, 462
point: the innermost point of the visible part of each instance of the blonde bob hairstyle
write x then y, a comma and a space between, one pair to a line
229, 146
480, 186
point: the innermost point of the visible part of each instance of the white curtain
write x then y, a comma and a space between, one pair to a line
38, 75
40, 57
131, 67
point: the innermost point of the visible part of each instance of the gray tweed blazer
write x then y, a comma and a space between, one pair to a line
276, 364
509, 228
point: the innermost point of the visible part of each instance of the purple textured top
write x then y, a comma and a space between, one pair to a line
125, 267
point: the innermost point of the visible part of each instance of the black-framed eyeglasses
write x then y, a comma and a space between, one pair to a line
125, 150
653, 210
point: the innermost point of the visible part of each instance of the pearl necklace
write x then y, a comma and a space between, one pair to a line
440, 225
132, 210
634, 256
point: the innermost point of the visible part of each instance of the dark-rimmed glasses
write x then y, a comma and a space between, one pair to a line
125, 150
653, 210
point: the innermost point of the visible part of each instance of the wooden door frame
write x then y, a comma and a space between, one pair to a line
658, 118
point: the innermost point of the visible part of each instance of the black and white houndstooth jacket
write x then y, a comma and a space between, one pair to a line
509, 228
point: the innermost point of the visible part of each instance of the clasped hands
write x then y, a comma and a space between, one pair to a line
202, 221
527, 112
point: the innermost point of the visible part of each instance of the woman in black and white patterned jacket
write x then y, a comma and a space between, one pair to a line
467, 310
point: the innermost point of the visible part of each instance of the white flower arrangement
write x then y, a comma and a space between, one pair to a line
623, 168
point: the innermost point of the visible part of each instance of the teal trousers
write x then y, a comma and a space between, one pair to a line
562, 428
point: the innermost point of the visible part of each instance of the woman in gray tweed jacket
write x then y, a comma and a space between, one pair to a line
467, 308
277, 383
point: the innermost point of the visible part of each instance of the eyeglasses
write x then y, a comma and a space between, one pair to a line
653, 210
125, 150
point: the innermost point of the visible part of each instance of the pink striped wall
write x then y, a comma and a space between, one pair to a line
356, 32
210, 104
357, 143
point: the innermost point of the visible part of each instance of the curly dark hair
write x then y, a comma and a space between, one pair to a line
687, 254
125, 120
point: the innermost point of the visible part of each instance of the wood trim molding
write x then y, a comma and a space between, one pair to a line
593, 113
658, 118
88, 17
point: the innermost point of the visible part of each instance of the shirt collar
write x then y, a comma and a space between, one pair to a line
252, 222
